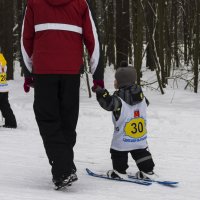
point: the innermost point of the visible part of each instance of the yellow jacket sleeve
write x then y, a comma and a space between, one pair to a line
3, 62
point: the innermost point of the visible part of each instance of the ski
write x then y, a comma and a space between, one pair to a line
61, 187
162, 182
130, 180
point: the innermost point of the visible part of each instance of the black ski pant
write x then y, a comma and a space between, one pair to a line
142, 158
10, 120
56, 107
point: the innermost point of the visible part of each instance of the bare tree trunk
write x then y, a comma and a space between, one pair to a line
21, 10
161, 15
150, 24
168, 45
185, 30
122, 30
7, 46
1, 25
190, 32
175, 6
138, 37
152, 45
110, 34
197, 48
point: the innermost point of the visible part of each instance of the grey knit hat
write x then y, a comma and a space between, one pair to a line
125, 75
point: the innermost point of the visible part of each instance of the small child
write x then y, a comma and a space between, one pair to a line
128, 106
10, 120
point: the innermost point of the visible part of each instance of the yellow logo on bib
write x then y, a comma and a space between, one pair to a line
3, 78
135, 128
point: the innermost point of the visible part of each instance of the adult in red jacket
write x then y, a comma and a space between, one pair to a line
53, 34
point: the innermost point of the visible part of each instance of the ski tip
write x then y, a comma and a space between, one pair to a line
169, 183
88, 171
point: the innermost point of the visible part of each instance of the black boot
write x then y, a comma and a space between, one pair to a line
62, 182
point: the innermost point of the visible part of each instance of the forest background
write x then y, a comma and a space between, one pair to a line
163, 34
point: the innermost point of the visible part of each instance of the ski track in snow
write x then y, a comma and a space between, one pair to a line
173, 130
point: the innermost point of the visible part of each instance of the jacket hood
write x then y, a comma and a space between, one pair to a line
132, 95
58, 2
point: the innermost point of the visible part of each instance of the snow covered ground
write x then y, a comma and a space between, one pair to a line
173, 127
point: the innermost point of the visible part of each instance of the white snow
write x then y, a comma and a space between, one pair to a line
173, 128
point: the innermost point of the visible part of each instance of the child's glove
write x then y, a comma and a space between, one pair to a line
101, 93
96, 84
28, 82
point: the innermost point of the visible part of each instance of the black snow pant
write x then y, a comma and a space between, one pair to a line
10, 120
142, 158
56, 107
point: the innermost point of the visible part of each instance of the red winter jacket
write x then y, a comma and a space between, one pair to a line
53, 33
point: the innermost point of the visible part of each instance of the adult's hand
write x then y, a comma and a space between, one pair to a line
97, 84
28, 82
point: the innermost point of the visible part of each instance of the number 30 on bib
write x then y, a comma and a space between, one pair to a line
135, 128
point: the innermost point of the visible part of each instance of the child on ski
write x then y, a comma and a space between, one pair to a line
128, 106
10, 120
